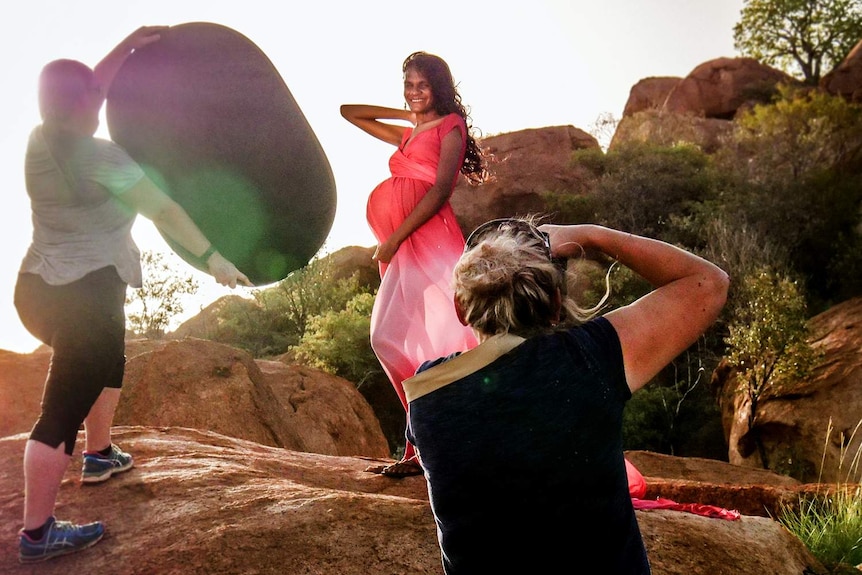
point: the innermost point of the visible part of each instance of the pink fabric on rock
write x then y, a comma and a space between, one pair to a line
637, 483
696, 508
637, 490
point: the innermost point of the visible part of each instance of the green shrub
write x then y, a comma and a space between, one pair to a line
640, 187
676, 414
338, 342
279, 316
150, 308
767, 340
802, 132
829, 522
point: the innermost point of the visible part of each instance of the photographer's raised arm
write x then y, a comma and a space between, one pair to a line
688, 296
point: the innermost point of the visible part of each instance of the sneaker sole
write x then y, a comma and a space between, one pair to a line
106, 475
27, 559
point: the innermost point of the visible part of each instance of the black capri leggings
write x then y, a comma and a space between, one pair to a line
84, 323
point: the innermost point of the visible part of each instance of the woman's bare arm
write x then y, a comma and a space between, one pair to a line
169, 217
107, 69
688, 296
368, 118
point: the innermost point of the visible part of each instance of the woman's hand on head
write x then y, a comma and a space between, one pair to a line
225, 273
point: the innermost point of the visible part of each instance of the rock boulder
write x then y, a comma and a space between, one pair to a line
526, 164
719, 88
201, 384
650, 94
846, 78
200, 503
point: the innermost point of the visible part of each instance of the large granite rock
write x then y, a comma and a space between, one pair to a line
719, 88
526, 165
662, 129
846, 78
22, 376
200, 503
205, 385
650, 94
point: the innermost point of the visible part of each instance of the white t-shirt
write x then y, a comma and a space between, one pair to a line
79, 225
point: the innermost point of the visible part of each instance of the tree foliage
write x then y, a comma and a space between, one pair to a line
767, 339
639, 187
308, 292
603, 128
338, 342
803, 132
796, 172
678, 414
801, 37
150, 309
279, 315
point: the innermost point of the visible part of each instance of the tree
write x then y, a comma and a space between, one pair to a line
337, 342
150, 309
811, 35
799, 160
800, 133
603, 128
639, 187
767, 340
310, 291
278, 316
676, 414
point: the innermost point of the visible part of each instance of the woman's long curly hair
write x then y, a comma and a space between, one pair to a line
506, 282
447, 100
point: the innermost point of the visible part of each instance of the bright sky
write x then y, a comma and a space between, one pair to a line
519, 65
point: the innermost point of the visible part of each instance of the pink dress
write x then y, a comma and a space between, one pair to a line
414, 319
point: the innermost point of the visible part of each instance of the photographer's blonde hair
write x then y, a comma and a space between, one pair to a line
507, 283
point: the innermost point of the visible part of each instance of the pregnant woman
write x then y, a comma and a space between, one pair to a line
419, 239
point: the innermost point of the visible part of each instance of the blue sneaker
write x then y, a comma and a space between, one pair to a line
60, 538
98, 468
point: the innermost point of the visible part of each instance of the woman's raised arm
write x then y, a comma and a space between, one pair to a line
688, 296
367, 118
